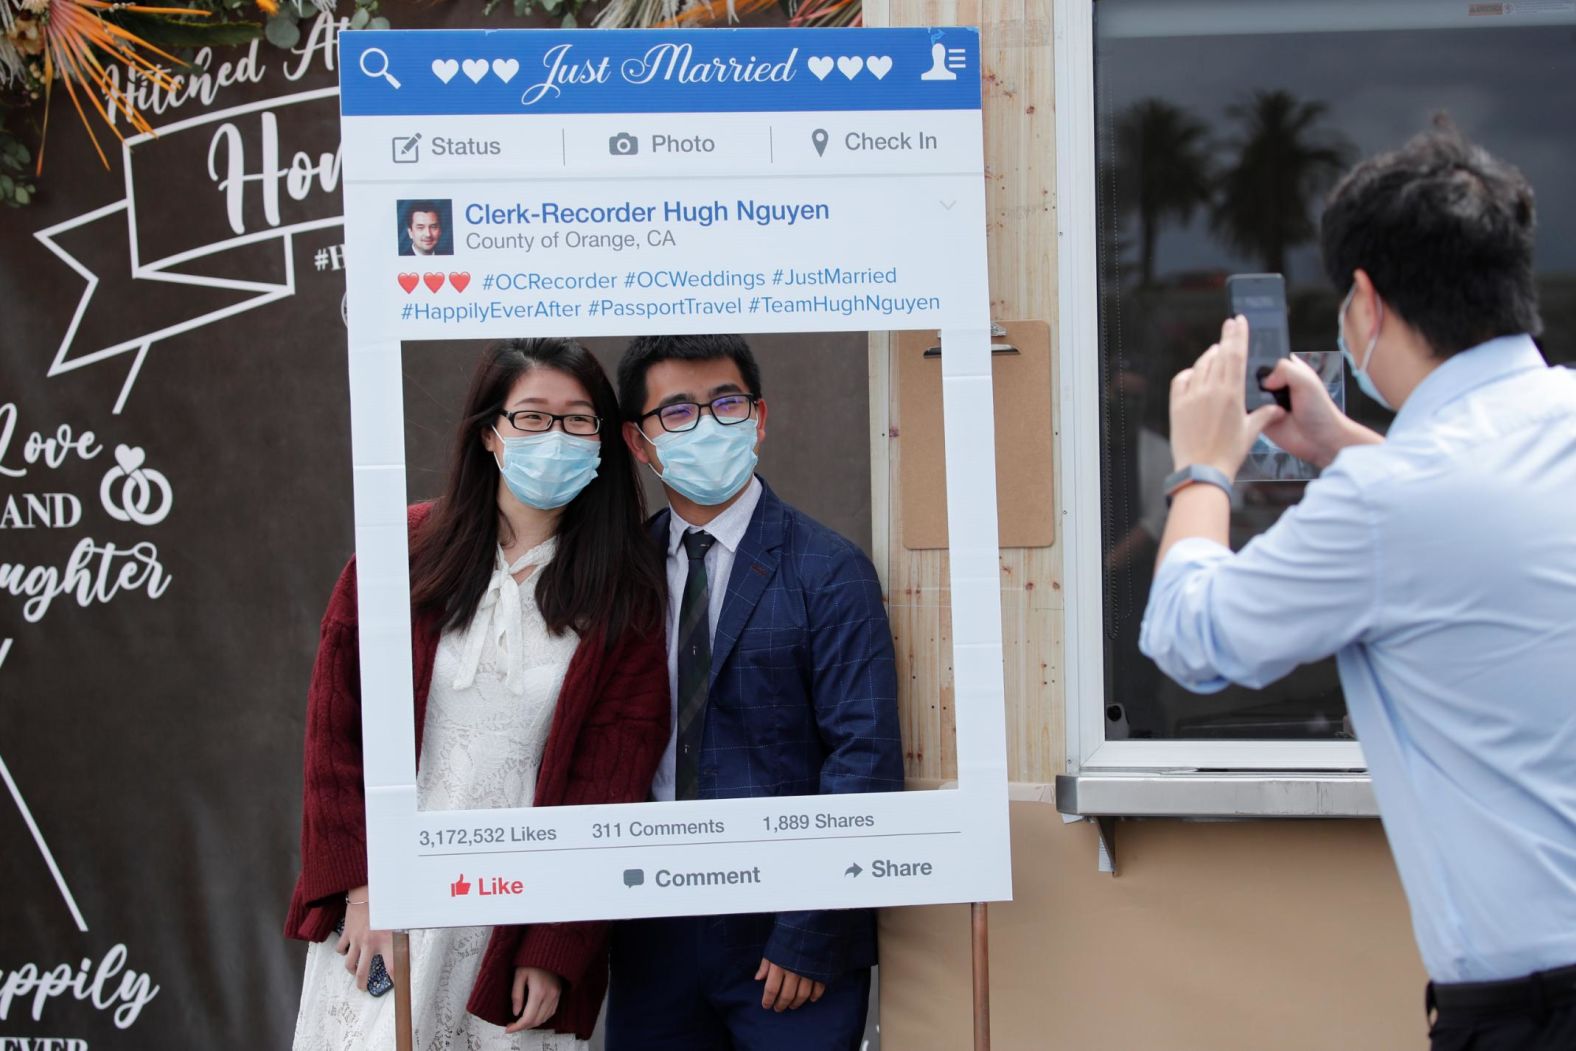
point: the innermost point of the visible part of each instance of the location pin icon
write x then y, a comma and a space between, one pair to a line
818, 136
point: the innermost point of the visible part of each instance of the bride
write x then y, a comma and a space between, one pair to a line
540, 680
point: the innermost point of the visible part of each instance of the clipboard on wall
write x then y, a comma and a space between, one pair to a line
1025, 488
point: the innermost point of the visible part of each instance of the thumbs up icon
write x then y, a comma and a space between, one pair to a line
459, 887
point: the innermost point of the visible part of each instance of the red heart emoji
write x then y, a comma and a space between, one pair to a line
408, 281
434, 281
460, 280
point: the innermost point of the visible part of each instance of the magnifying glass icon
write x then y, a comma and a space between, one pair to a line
375, 63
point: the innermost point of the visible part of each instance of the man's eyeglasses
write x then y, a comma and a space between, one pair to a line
534, 421
680, 416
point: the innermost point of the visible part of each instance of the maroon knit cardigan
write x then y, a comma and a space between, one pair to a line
608, 734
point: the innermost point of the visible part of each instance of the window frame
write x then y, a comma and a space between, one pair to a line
1078, 336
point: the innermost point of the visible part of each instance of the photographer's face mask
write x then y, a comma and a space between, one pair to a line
708, 464
1361, 371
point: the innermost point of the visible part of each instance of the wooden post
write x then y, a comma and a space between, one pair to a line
1020, 163
404, 1037
1018, 74
981, 939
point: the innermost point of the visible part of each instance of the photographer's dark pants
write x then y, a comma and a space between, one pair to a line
1536, 1013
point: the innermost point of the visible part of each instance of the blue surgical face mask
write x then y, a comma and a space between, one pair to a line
1361, 371
548, 470
710, 463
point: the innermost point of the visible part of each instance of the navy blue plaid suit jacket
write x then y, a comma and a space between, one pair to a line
803, 702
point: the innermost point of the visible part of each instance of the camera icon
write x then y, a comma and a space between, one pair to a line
623, 145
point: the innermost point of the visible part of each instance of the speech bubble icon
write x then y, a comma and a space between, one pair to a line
634, 877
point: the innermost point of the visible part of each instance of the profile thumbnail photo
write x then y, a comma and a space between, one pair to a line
426, 227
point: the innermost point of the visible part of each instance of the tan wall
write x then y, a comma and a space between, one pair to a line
1245, 936
1240, 936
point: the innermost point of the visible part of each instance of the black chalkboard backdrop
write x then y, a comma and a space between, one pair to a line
161, 583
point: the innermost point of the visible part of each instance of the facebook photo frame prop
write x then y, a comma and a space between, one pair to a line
639, 182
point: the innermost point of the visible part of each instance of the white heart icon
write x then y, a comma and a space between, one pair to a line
850, 65
129, 457
475, 68
821, 65
505, 68
879, 65
445, 68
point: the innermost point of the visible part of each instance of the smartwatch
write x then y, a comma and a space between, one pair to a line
1195, 472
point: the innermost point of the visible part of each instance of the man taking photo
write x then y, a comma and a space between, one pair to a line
1437, 562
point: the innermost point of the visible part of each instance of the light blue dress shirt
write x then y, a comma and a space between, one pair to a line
1440, 568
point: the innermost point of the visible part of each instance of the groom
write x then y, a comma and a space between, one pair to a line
783, 681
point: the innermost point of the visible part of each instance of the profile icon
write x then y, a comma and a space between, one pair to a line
938, 65
425, 227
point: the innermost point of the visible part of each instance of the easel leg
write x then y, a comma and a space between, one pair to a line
981, 977
404, 1037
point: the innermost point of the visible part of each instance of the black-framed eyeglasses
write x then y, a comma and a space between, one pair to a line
680, 416
534, 421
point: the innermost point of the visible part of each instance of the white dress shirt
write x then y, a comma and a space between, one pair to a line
1440, 568
728, 530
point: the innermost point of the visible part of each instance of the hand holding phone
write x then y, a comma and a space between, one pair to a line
378, 980
1261, 298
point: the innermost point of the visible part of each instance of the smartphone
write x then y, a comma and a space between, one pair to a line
378, 980
1261, 298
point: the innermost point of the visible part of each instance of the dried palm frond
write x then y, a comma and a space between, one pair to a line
13, 67
667, 14
78, 40
636, 14
709, 12
827, 14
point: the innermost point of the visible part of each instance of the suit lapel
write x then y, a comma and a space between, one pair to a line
657, 529
754, 565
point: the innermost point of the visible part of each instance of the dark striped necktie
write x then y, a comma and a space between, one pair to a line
694, 635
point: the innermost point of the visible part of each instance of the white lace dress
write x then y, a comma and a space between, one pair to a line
494, 688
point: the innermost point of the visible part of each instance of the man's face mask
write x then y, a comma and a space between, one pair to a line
710, 463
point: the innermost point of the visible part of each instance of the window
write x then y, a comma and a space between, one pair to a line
1210, 133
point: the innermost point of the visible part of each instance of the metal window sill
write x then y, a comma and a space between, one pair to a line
1216, 795
1105, 797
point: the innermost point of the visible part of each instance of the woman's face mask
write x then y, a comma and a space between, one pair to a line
548, 470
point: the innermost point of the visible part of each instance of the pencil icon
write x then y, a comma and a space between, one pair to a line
407, 150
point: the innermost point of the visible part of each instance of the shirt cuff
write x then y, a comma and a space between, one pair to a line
1193, 552
1172, 635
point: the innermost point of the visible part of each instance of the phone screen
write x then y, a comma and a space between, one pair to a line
1261, 298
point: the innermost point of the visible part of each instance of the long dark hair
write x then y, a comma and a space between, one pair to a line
605, 575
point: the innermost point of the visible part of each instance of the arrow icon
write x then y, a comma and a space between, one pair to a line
853, 870
948, 205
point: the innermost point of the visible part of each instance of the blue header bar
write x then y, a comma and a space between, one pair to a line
550, 71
